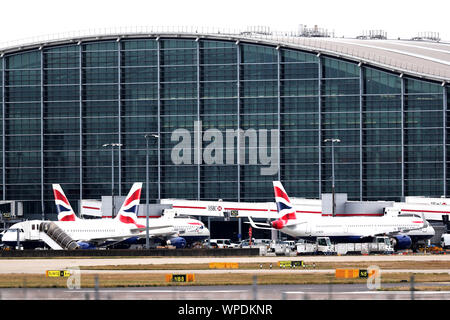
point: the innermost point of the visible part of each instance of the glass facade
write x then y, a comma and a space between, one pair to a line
61, 104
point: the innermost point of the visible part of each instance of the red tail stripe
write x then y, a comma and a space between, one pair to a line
68, 218
135, 196
60, 196
280, 193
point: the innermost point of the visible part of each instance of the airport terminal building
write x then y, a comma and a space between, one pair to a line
66, 101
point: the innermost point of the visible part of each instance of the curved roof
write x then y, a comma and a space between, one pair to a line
425, 59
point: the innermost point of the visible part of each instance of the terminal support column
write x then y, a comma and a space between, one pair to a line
42, 134
444, 139
402, 108
3, 130
319, 110
119, 115
361, 91
80, 65
159, 115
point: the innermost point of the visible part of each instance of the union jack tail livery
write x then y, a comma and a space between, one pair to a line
129, 209
284, 206
65, 211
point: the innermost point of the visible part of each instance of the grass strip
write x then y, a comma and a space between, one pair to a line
148, 280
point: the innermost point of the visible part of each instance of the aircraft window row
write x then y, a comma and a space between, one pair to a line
91, 230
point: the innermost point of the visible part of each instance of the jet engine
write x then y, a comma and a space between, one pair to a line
85, 245
177, 242
401, 242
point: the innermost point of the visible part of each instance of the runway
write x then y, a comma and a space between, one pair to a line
249, 292
39, 266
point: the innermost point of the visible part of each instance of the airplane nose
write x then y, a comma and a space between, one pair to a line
277, 224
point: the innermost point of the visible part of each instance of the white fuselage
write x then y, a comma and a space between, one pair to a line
354, 227
183, 227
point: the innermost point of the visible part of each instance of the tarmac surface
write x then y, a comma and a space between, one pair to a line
40, 266
240, 292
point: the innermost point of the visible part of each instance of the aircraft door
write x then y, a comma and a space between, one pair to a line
31, 230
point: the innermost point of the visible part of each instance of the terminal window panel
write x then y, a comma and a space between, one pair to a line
182, 190
141, 107
97, 189
424, 101
226, 72
93, 141
61, 142
292, 88
299, 71
344, 103
22, 159
217, 106
23, 143
257, 72
256, 191
299, 104
24, 191
382, 103
256, 105
379, 82
62, 57
299, 138
382, 120
26, 60
334, 68
253, 172
178, 107
62, 158
299, 188
139, 58
382, 189
340, 120
219, 173
385, 171
100, 125
258, 54
140, 74
132, 157
218, 56
301, 171
225, 190
140, 124
179, 173
214, 90
178, 73
99, 108
61, 174
100, 75
218, 122
178, 57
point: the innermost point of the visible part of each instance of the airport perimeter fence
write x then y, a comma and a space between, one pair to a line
134, 253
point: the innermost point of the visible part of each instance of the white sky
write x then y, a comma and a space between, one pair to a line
22, 19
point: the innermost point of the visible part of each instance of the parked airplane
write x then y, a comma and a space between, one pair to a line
87, 233
403, 230
187, 231
183, 231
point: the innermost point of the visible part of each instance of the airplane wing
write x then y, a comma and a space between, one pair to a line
259, 225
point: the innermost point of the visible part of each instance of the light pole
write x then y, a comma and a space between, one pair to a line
112, 145
333, 209
147, 236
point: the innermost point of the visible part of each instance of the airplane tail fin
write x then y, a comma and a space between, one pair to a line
284, 206
129, 209
65, 211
